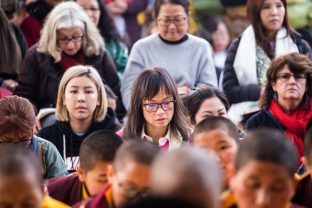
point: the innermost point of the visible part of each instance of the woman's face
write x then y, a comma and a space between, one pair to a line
262, 184
272, 15
92, 9
69, 40
160, 118
210, 107
81, 98
172, 22
289, 89
20, 191
220, 38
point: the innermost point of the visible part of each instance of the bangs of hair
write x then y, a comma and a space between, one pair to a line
156, 83
70, 22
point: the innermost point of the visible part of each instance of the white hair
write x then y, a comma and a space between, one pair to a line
67, 15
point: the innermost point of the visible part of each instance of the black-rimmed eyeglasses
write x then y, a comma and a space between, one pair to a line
153, 107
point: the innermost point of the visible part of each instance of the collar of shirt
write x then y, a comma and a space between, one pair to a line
161, 142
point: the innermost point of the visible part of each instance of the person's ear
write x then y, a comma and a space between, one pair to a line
81, 174
273, 84
110, 173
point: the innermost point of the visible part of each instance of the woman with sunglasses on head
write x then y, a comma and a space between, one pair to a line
69, 38
187, 58
251, 54
286, 103
156, 112
17, 127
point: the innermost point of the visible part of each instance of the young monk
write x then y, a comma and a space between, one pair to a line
220, 136
97, 151
128, 176
264, 171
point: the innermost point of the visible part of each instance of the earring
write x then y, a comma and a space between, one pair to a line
275, 96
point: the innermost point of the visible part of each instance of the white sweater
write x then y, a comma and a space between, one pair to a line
190, 63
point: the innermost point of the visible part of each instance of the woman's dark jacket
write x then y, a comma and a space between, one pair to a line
40, 76
59, 131
237, 93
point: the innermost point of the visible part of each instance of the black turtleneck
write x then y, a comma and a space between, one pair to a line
185, 37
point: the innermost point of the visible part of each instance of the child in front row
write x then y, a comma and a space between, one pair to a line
264, 171
97, 151
21, 179
128, 176
220, 136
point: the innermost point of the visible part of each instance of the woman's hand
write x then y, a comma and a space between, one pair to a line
9, 84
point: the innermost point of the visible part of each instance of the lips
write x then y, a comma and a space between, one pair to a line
160, 119
81, 108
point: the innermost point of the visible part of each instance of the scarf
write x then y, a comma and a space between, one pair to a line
295, 123
245, 59
69, 61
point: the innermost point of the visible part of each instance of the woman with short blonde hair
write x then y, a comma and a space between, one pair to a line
81, 109
92, 74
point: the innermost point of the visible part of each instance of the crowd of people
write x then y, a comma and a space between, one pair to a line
95, 112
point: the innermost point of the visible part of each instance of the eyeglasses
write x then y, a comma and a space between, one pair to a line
177, 21
153, 107
66, 40
284, 77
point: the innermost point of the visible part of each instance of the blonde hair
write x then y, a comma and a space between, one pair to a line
79, 71
66, 15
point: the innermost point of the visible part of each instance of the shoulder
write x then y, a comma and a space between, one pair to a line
109, 121
45, 143
54, 128
146, 41
303, 45
49, 202
256, 119
197, 40
59, 181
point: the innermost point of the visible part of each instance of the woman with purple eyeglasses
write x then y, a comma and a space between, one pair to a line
156, 112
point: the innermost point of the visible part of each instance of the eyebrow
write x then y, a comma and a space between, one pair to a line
84, 87
166, 98
69, 35
207, 111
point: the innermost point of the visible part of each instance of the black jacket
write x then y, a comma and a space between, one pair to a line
231, 87
40, 76
60, 130
264, 119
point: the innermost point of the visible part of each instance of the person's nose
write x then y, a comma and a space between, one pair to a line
70, 44
171, 24
263, 198
81, 97
292, 80
160, 110
273, 10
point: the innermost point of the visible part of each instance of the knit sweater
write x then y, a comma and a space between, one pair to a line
190, 63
